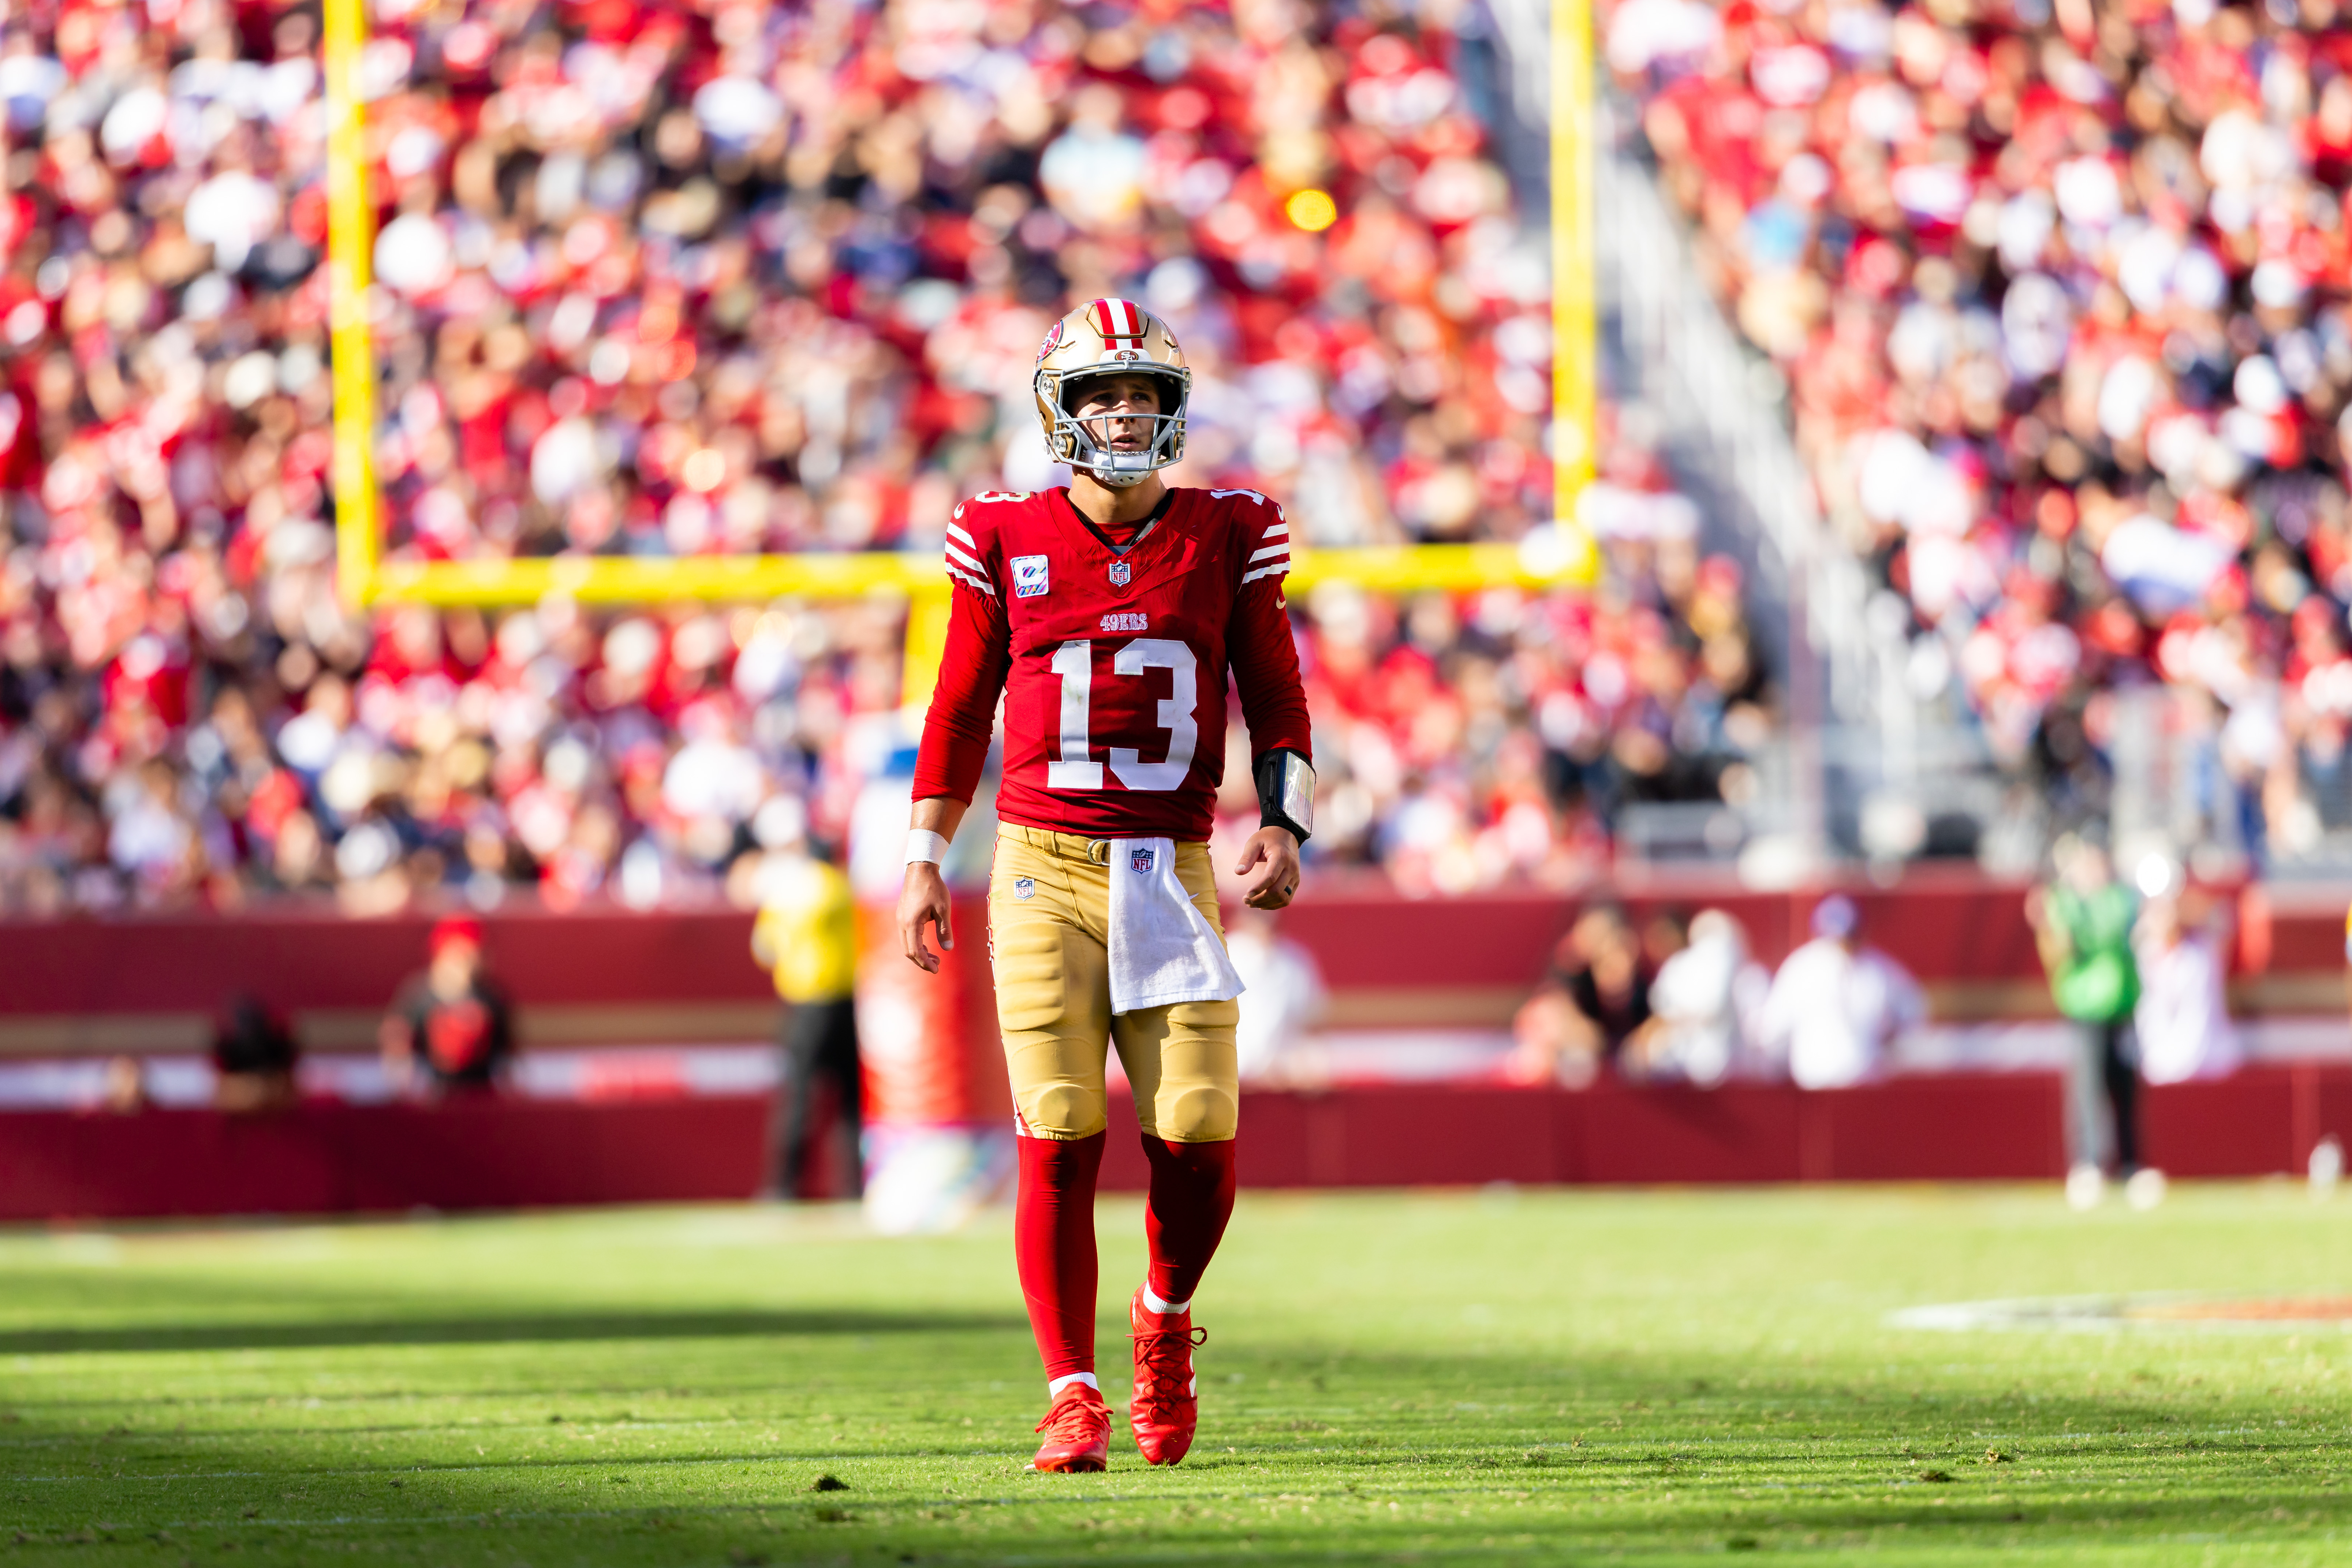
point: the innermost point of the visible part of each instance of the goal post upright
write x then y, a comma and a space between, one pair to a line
1576, 371
351, 240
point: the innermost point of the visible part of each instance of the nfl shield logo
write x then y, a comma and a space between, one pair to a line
1024, 887
1119, 573
1141, 860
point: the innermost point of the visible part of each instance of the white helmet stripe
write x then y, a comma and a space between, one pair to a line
1119, 322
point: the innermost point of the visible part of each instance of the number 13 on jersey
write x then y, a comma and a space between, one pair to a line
1074, 661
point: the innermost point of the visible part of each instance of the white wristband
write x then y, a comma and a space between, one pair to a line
925, 847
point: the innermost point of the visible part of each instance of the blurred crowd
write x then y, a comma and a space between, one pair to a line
1463, 742
670, 278
2059, 296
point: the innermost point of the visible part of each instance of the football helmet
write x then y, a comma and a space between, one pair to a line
1110, 337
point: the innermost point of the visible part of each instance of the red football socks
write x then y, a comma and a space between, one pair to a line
1184, 1217
1053, 1242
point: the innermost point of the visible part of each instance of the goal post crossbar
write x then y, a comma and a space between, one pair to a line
365, 576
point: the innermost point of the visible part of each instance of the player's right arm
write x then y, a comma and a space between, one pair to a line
956, 732
923, 901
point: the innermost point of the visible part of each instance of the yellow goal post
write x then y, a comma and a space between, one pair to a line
364, 577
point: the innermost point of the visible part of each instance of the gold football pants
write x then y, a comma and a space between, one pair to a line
1048, 930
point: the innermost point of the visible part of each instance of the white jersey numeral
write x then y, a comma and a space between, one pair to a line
1074, 663
1076, 769
1175, 713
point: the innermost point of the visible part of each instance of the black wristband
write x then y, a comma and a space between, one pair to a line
1286, 792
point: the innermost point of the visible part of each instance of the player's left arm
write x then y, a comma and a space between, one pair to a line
1274, 705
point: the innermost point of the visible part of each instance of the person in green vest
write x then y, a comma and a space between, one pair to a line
2083, 917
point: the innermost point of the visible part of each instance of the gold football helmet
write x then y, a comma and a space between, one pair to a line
1111, 337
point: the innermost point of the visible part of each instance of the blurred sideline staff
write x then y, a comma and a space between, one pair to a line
1837, 1005
1702, 1006
450, 1028
806, 936
253, 1058
1595, 998
1283, 998
2083, 919
2183, 1018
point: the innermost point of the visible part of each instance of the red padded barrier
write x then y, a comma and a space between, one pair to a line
495, 1153
1987, 1128
1943, 928
326, 1158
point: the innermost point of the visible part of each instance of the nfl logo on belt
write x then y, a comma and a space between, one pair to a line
1119, 573
1141, 860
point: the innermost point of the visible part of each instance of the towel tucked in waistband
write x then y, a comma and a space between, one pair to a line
1162, 948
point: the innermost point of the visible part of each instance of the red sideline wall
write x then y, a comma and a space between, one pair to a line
494, 1154
1389, 961
1942, 928
505, 1153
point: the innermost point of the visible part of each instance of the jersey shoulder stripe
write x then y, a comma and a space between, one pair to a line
970, 544
1267, 536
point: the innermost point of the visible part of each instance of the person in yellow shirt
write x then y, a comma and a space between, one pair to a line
806, 936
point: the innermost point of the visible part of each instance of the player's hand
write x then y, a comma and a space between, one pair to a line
924, 901
1274, 854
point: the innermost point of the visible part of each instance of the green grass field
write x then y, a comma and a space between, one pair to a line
1543, 1377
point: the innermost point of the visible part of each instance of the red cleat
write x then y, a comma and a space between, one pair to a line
1164, 1410
1077, 1431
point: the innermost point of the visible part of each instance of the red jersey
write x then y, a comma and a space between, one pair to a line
1112, 664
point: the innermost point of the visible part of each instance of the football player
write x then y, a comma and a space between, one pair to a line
1108, 615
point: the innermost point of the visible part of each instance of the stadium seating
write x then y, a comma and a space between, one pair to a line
669, 280
2057, 293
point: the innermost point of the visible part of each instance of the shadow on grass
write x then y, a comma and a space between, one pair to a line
494, 1328
1664, 1472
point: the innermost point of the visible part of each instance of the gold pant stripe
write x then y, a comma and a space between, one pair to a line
1052, 964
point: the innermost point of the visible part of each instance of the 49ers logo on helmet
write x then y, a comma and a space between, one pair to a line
1053, 340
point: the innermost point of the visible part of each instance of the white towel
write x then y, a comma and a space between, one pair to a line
1163, 948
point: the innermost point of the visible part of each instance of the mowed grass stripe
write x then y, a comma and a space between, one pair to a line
1440, 1377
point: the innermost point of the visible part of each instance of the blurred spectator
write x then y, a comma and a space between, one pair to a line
2182, 1021
1836, 1006
254, 1056
2083, 917
806, 934
1701, 1003
449, 1027
1283, 997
